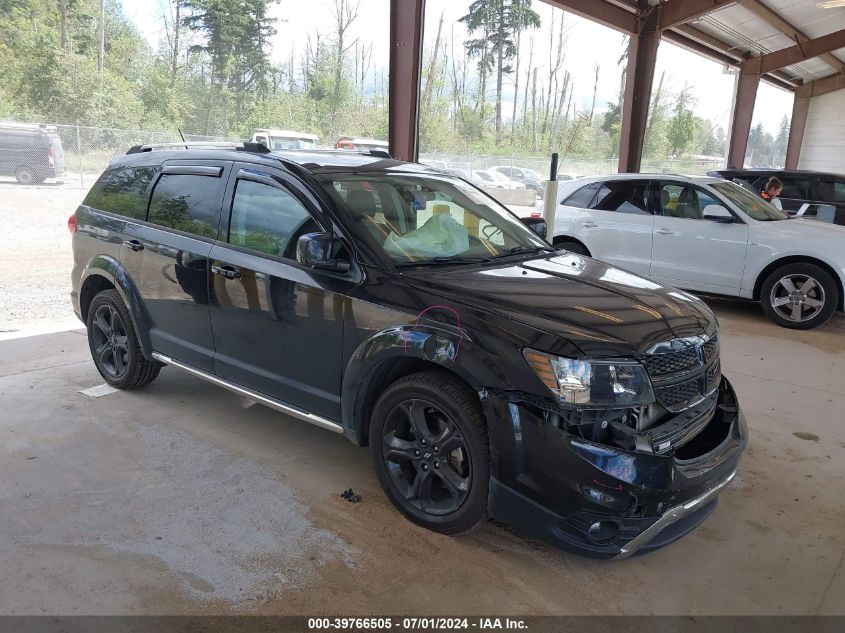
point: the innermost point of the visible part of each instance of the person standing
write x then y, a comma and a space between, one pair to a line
771, 192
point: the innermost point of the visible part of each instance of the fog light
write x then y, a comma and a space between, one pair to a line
618, 502
603, 532
599, 496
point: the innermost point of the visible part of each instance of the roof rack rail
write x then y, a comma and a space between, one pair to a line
240, 146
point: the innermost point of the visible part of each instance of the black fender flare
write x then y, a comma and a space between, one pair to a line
435, 343
109, 268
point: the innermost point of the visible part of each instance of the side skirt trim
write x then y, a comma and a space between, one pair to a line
290, 410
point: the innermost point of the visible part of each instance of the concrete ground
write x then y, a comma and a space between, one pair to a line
185, 498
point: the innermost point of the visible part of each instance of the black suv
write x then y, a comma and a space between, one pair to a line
805, 193
409, 311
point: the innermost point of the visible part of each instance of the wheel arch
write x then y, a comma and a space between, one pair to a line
385, 358
799, 259
562, 239
104, 272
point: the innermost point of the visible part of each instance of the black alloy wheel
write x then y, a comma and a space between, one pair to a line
426, 457
429, 445
110, 342
114, 344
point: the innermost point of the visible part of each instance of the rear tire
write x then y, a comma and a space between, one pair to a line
799, 296
572, 247
429, 445
25, 175
114, 344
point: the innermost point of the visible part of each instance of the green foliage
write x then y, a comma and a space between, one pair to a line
220, 80
683, 126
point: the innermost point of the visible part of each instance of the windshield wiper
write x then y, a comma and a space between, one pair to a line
443, 261
525, 248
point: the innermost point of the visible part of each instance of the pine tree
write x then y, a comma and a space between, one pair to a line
499, 22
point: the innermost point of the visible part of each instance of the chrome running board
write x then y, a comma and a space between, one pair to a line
290, 410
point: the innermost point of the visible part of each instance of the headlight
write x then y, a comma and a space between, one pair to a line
599, 383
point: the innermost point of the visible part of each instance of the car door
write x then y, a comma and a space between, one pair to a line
691, 252
167, 257
617, 226
277, 325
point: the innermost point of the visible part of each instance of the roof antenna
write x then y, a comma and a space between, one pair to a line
182, 136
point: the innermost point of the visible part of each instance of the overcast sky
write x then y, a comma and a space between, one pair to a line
588, 44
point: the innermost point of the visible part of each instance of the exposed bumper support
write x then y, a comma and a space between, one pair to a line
671, 516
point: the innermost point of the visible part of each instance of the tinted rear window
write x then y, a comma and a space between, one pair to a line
797, 188
187, 203
831, 190
623, 196
583, 196
122, 191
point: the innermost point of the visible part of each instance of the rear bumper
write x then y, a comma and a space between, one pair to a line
604, 502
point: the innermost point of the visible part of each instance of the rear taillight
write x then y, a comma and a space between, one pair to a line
50, 156
71, 223
536, 215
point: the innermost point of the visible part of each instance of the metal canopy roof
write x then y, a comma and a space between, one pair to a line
733, 30
744, 30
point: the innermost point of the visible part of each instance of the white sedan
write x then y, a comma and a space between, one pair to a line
495, 180
710, 236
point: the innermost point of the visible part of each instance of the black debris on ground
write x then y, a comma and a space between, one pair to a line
350, 496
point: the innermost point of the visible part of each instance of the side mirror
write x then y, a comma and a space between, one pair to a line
717, 213
538, 225
315, 251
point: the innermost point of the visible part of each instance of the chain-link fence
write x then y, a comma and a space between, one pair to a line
73, 155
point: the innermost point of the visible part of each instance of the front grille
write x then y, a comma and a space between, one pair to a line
675, 396
711, 350
686, 374
712, 377
671, 362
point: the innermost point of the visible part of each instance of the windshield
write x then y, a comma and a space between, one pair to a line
423, 219
292, 143
752, 205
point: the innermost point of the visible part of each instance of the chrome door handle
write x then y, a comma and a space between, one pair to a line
135, 245
589, 224
665, 232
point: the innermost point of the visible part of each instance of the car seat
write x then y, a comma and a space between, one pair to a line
665, 202
363, 204
688, 205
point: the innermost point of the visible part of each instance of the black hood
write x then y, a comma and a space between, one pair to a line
603, 310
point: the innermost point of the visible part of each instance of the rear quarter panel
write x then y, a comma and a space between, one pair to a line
765, 247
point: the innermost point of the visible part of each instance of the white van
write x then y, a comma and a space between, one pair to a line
285, 139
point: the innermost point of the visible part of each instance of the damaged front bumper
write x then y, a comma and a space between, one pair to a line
604, 501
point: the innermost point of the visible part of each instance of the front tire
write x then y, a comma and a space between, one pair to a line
799, 296
114, 344
430, 450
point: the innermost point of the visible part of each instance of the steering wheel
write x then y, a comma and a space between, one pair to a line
490, 231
